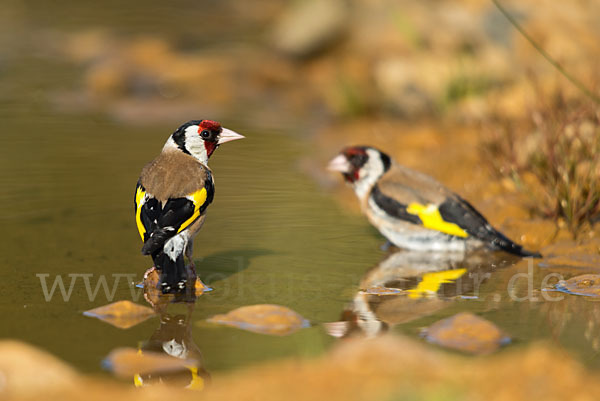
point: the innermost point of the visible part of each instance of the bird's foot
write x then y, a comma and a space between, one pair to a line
165, 288
386, 247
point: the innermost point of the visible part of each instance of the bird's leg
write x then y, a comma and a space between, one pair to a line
152, 275
200, 287
189, 251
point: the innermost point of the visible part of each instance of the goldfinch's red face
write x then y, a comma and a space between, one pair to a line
200, 138
350, 162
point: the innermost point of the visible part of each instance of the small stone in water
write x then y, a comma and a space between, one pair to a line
121, 314
263, 319
466, 332
585, 284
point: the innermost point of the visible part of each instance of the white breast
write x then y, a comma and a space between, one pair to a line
407, 235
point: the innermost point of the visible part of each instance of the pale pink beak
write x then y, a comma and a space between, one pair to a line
339, 163
228, 135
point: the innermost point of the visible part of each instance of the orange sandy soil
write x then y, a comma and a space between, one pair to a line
385, 368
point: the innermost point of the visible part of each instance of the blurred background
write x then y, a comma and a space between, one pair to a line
315, 61
91, 90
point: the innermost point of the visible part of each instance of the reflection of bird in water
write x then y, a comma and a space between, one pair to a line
412, 210
174, 338
408, 285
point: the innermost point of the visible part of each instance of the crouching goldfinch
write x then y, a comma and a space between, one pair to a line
172, 195
414, 211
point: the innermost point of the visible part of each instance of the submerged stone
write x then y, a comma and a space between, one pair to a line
121, 314
585, 284
466, 332
263, 319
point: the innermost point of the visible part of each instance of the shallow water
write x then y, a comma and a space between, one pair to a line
272, 236
269, 238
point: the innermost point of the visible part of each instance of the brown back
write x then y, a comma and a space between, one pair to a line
173, 174
407, 186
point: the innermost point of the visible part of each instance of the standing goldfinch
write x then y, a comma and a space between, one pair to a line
414, 211
172, 195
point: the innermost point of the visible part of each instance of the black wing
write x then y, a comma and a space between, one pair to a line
392, 207
460, 212
157, 222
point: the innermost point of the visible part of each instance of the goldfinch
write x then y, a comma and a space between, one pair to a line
412, 210
172, 195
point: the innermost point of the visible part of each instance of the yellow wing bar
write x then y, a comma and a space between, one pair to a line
139, 197
198, 197
432, 219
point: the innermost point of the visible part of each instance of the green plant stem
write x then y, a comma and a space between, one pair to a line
548, 58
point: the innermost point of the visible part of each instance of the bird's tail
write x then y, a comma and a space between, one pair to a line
156, 240
457, 209
173, 274
500, 241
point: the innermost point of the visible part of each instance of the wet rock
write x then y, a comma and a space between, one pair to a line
585, 284
466, 332
121, 314
127, 362
154, 296
308, 27
26, 371
263, 319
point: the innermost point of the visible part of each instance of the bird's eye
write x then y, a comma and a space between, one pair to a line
358, 160
205, 134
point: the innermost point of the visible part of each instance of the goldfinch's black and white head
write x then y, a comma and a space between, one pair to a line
361, 166
200, 138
